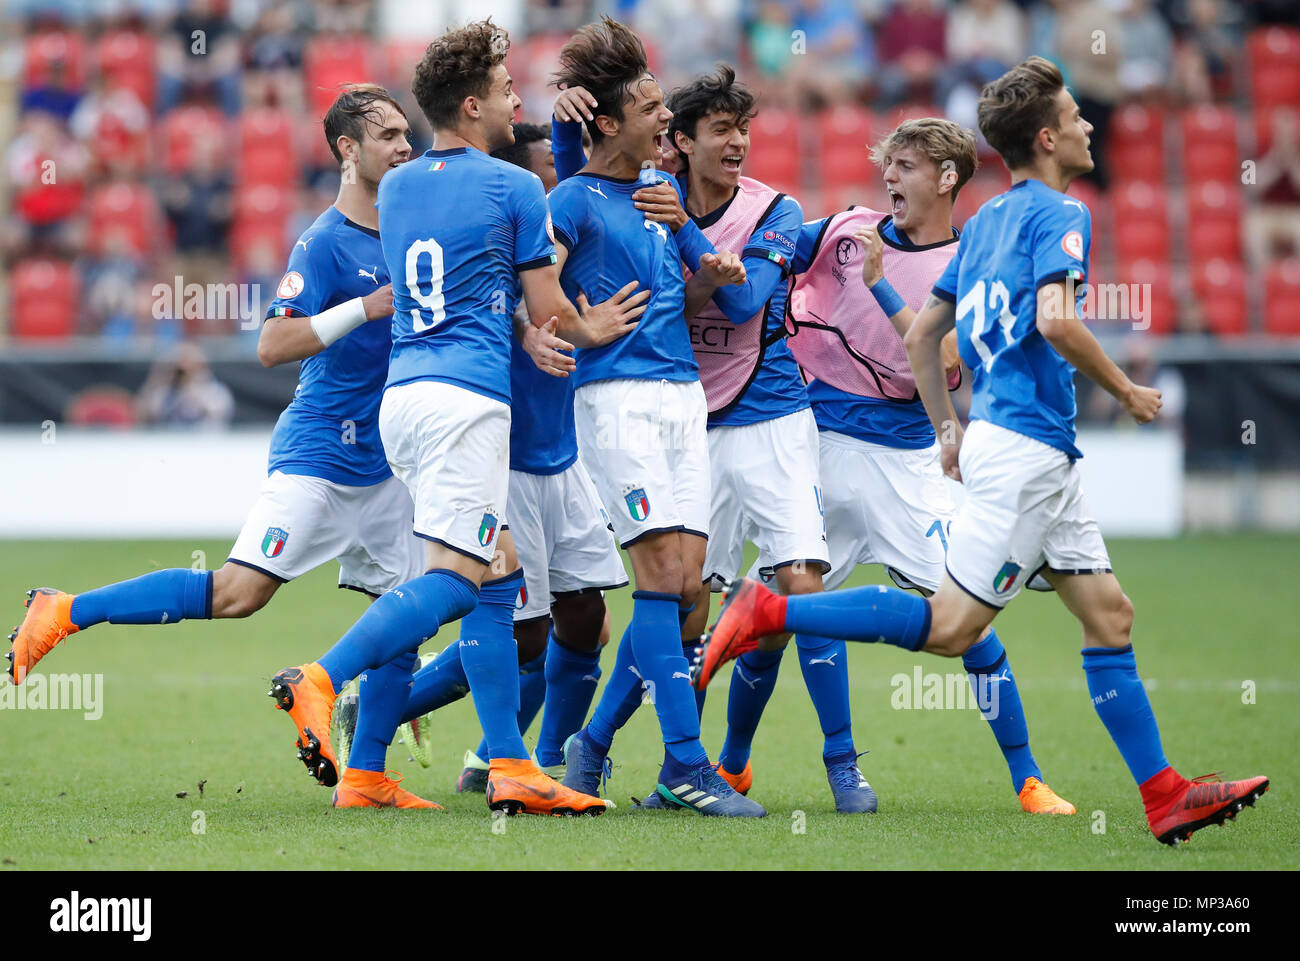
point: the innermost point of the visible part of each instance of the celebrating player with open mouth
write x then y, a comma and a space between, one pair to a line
1010, 293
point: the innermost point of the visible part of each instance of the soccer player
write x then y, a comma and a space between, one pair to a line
884, 494
462, 233
329, 493
1010, 293
640, 409
564, 545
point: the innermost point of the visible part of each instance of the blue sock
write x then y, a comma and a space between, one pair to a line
658, 648
621, 697
994, 685
163, 597
688, 652
532, 690
398, 622
571, 678
871, 614
752, 682
1121, 702
826, 675
491, 661
440, 682
379, 710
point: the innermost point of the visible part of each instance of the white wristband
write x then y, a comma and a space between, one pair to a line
339, 321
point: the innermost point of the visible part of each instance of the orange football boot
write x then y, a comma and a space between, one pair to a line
749, 612
47, 622
741, 782
307, 694
1176, 806
519, 786
375, 789
1037, 798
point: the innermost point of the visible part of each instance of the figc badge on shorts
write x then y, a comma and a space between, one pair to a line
638, 505
488, 528
1006, 577
273, 542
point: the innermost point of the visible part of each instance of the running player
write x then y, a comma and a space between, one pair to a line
464, 232
1010, 293
884, 494
639, 407
329, 493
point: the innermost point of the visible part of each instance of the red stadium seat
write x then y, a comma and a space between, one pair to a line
182, 128
1156, 282
774, 150
128, 209
262, 212
1210, 144
43, 51
1137, 144
1141, 228
268, 148
331, 62
1214, 221
981, 188
126, 59
846, 134
1220, 287
45, 299
1274, 57
403, 53
1282, 298
101, 407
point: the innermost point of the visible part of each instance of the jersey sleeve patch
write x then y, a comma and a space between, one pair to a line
291, 285
1072, 244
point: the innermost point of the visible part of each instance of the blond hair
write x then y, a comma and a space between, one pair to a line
941, 140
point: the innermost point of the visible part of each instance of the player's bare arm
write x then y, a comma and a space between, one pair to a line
544, 346
716, 270
1059, 323
285, 339
584, 325
923, 340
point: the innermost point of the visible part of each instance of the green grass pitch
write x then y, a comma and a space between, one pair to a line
186, 703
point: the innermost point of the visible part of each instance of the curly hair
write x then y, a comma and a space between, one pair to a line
457, 65
716, 92
606, 58
352, 110
1014, 107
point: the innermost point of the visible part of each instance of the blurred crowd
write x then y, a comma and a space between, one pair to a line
148, 140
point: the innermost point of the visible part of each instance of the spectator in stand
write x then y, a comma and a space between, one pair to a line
347, 16
562, 16
110, 284
56, 96
1273, 219
771, 50
985, 38
911, 44
1044, 18
198, 206
1146, 60
837, 56
46, 168
182, 392
273, 59
114, 126
199, 50
681, 54
1207, 50
1091, 41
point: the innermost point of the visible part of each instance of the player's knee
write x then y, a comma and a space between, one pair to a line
1121, 620
530, 638
239, 592
949, 636
579, 619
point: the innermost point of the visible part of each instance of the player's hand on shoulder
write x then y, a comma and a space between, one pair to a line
379, 302
661, 203
616, 317
543, 345
574, 105
873, 267
723, 268
1142, 403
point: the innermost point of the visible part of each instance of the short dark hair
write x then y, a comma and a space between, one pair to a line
605, 58
1014, 107
525, 135
715, 92
457, 65
352, 110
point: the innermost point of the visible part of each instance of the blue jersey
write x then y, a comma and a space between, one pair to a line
331, 429
777, 388
1026, 238
610, 242
891, 424
457, 227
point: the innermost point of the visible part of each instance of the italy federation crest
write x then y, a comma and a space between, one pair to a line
638, 505
487, 529
273, 542
1006, 577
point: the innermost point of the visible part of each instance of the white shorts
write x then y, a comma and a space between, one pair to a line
885, 505
644, 443
451, 448
300, 523
765, 489
562, 537
1024, 510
